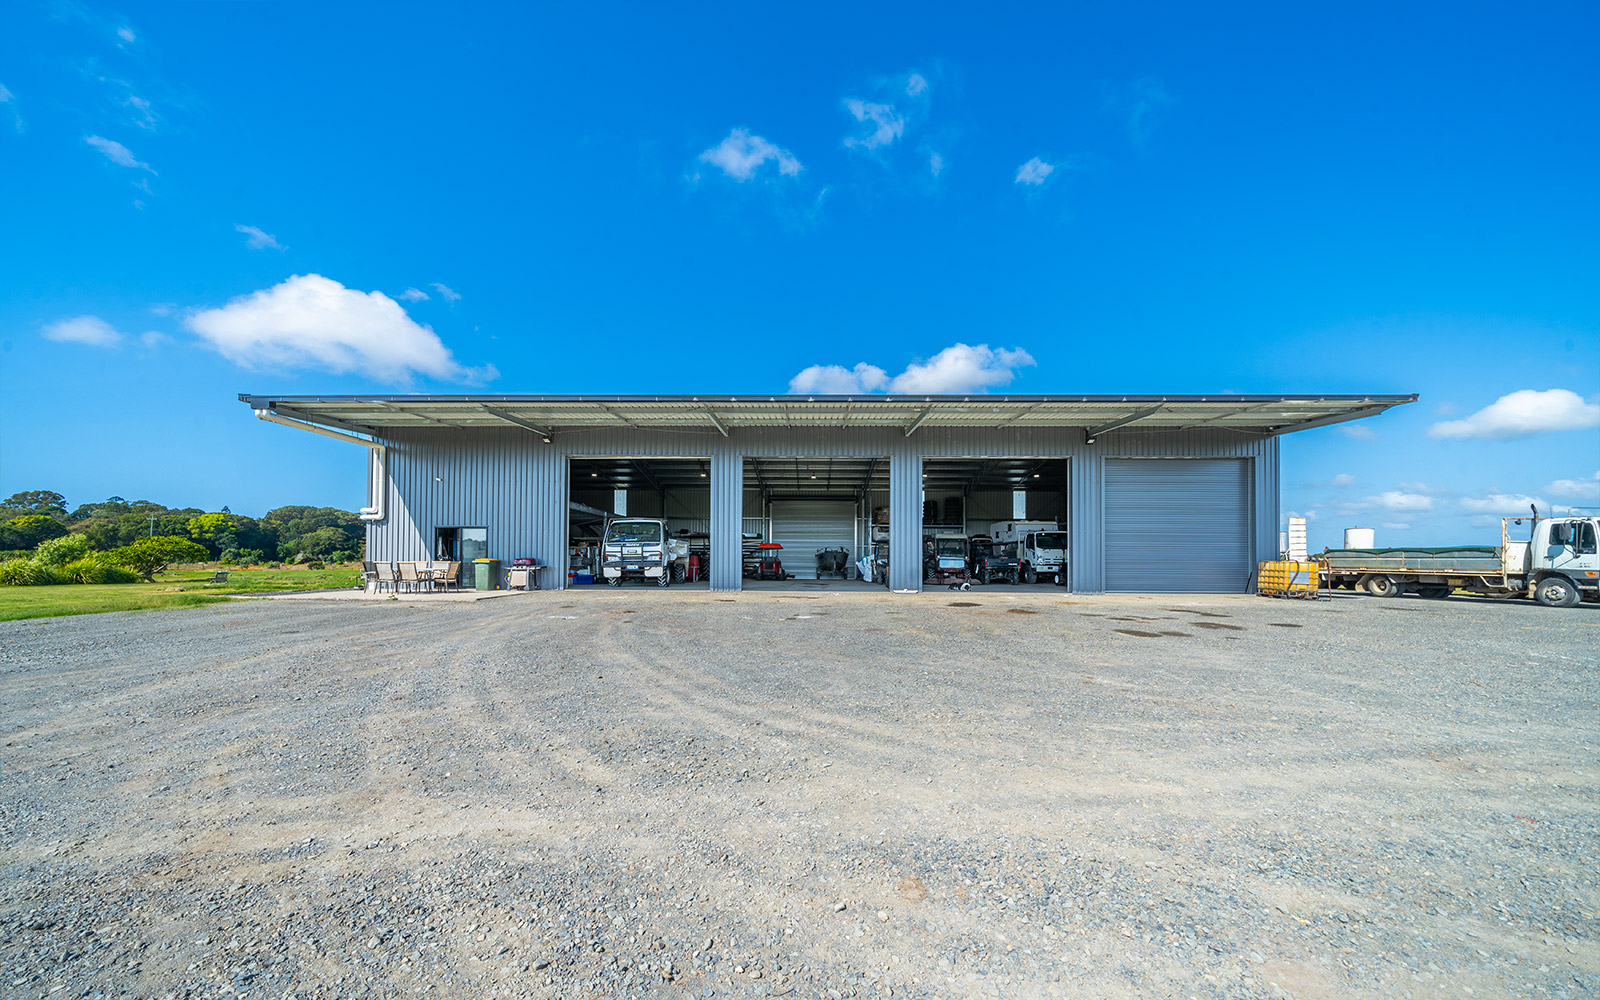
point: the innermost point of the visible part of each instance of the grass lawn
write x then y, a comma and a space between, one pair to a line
182, 589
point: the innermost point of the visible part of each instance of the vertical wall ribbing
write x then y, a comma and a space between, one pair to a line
727, 513
1086, 560
905, 518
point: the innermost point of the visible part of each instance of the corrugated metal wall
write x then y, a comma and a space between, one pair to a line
510, 482
1178, 525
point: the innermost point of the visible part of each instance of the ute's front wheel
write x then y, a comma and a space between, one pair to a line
1555, 592
665, 579
614, 581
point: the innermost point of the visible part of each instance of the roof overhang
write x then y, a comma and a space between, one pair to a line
724, 415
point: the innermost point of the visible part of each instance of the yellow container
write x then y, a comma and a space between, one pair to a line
1288, 579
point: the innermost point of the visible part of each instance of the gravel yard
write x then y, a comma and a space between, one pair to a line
826, 795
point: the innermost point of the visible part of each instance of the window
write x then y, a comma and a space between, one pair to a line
460, 544
1585, 544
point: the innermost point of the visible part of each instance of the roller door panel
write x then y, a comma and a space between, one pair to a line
804, 526
1178, 525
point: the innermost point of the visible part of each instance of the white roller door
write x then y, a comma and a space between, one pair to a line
1178, 525
804, 526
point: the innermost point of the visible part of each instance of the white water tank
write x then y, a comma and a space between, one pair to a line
1360, 538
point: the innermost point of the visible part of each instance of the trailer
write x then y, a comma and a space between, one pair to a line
1557, 566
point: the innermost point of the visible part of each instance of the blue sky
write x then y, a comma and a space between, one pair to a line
204, 199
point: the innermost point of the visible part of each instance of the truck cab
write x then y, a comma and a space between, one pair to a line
642, 548
1040, 548
1563, 566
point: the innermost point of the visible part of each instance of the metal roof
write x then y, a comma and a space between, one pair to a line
1277, 414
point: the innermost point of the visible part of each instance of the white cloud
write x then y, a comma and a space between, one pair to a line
126, 34
1309, 515
143, 116
1412, 487
885, 124
1575, 487
741, 155
956, 370
1342, 479
91, 330
153, 339
1361, 432
916, 83
255, 239
1523, 413
1500, 503
310, 321
1396, 500
446, 292
1034, 172
414, 295
1397, 526
935, 164
835, 380
10, 101
116, 152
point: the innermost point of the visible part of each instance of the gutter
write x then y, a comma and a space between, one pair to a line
376, 490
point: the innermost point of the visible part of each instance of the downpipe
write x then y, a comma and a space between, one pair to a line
375, 491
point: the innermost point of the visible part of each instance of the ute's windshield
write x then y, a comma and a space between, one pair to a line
950, 547
1052, 540
634, 531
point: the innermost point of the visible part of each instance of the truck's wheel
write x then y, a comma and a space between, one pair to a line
983, 576
679, 574
1556, 592
1379, 585
1029, 576
614, 581
1433, 591
665, 579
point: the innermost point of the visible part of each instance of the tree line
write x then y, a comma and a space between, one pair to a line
285, 534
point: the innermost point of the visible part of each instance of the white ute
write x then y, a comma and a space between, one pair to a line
642, 547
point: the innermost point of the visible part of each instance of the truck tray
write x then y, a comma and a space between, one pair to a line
1466, 560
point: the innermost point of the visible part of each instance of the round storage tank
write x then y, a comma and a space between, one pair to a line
1360, 538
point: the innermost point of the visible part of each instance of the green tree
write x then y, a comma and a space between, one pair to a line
36, 502
149, 556
29, 530
62, 550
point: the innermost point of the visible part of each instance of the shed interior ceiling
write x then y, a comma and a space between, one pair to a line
815, 476
722, 414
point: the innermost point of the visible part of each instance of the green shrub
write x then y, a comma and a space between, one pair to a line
148, 556
316, 564
96, 569
27, 573
63, 550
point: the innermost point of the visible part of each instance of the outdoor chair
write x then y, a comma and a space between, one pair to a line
385, 576
408, 575
449, 576
369, 576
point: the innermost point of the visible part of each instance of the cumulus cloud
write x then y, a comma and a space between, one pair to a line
741, 155
916, 84
956, 370
446, 292
310, 321
1034, 172
1521, 414
91, 330
836, 380
116, 152
255, 239
1342, 479
1501, 503
414, 295
884, 124
1361, 432
1575, 487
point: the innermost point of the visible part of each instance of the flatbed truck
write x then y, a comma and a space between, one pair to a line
1557, 566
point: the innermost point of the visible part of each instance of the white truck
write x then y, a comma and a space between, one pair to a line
1557, 566
1041, 548
643, 548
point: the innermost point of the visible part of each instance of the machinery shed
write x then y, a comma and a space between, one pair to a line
1153, 493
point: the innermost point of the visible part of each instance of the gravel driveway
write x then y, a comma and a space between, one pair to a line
819, 795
